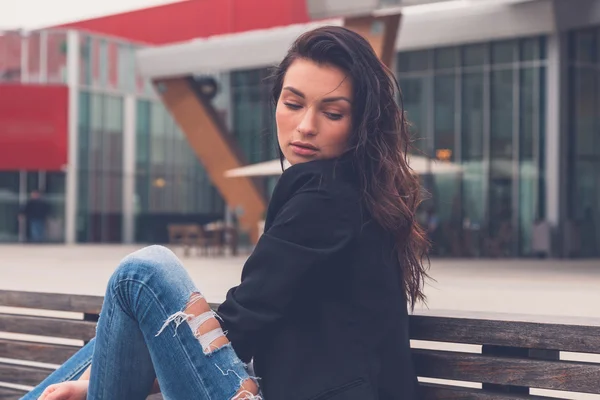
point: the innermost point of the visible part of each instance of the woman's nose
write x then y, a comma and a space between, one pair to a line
307, 125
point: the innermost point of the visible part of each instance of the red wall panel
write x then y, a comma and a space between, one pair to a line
33, 127
10, 57
191, 19
261, 14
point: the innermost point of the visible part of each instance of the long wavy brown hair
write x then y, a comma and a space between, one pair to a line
380, 141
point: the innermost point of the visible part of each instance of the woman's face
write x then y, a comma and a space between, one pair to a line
314, 112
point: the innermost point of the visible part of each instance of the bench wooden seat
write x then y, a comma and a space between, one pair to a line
494, 356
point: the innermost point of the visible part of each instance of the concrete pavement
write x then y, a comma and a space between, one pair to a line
546, 287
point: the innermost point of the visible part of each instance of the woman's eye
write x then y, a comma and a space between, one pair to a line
333, 116
293, 106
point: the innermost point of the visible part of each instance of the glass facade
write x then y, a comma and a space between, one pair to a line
169, 179
169, 182
9, 206
583, 185
15, 188
38, 57
253, 118
35, 57
480, 106
100, 168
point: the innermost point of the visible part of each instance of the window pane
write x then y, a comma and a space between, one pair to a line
474, 178
529, 49
413, 95
103, 63
583, 46
126, 67
587, 193
528, 169
504, 52
444, 95
474, 55
142, 147
526, 112
541, 143
446, 58
502, 114
9, 206
413, 61
253, 116
586, 110
500, 230
472, 116
473, 206
55, 194
86, 60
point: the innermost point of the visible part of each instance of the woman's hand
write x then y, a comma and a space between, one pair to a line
73, 390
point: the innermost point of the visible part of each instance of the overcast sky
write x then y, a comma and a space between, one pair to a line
32, 14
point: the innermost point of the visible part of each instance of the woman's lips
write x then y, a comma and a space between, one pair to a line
302, 149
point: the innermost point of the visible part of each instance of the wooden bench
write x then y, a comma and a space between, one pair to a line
495, 357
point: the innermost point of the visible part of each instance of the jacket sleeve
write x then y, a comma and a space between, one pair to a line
311, 231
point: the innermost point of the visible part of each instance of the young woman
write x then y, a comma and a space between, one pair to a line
322, 305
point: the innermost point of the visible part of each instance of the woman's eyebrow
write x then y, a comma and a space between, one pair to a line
325, 100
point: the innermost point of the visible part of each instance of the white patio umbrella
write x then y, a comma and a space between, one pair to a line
420, 165
267, 168
423, 166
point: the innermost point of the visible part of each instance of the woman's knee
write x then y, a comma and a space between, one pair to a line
152, 261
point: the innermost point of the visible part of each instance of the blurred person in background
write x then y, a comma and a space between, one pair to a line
35, 214
322, 307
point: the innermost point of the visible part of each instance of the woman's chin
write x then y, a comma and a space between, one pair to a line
295, 159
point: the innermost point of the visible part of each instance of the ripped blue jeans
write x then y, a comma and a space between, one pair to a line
143, 334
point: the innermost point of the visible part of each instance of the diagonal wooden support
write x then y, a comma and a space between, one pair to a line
381, 32
214, 147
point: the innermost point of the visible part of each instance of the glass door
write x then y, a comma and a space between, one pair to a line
9, 206
53, 185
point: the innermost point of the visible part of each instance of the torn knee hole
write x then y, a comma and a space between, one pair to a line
207, 329
197, 304
202, 321
213, 340
247, 391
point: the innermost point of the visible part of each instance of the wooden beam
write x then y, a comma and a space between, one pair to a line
215, 149
38, 352
528, 335
46, 326
381, 32
51, 301
23, 375
568, 376
10, 394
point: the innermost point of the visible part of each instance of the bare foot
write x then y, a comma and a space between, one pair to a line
73, 390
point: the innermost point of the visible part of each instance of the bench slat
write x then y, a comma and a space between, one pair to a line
10, 394
51, 301
22, 375
45, 326
14, 394
557, 375
575, 338
38, 352
431, 391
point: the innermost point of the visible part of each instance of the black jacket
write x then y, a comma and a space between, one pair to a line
320, 308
